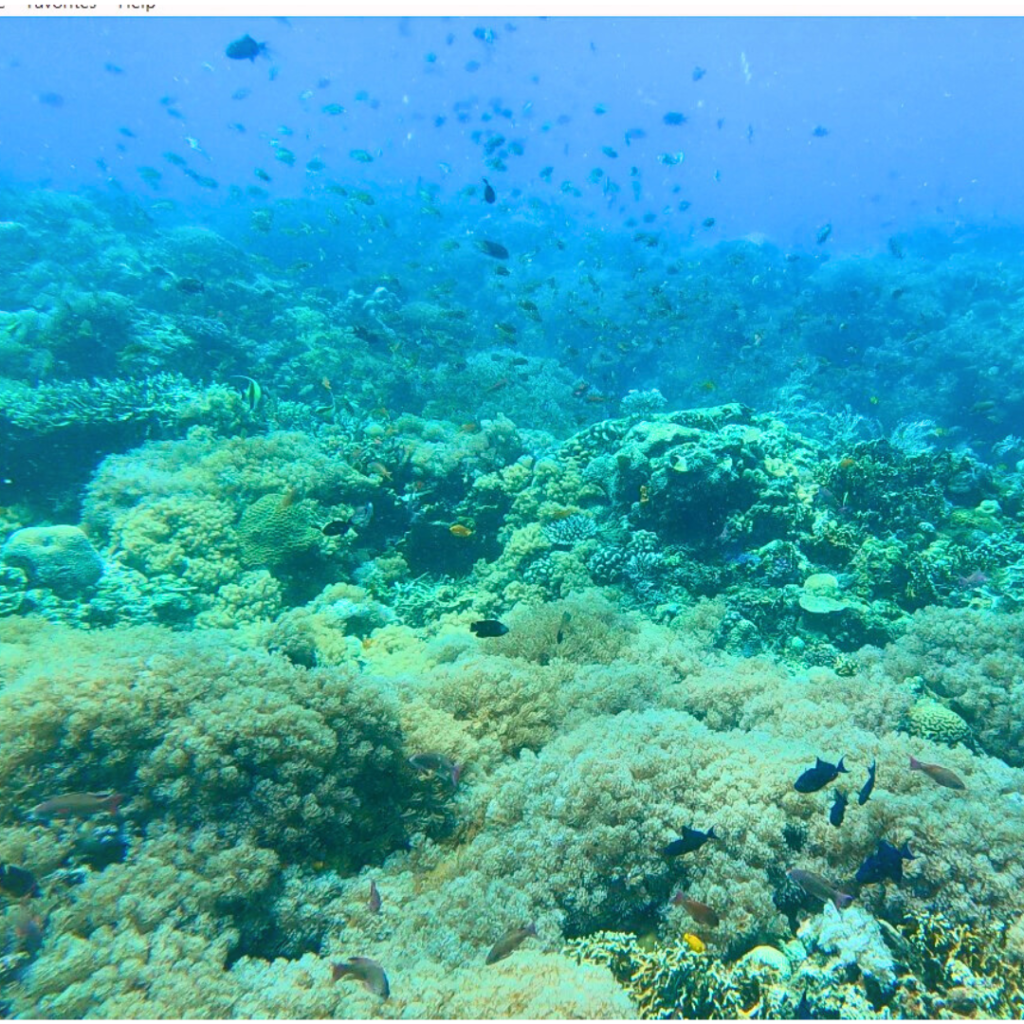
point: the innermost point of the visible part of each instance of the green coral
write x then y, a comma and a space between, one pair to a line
276, 529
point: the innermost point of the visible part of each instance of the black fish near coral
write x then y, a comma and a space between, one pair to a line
17, 882
885, 864
246, 48
838, 810
866, 789
489, 194
488, 627
691, 840
819, 776
360, 517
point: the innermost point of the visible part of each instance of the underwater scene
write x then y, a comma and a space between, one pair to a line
511, 518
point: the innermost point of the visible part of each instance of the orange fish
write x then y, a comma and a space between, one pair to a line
938, 774
458, 530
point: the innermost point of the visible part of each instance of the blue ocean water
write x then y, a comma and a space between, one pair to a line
511, 517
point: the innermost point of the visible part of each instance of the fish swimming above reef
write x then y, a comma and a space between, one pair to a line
691, 840
489, 194
190, 285
823, 235
562, 625
252, 393
367, 972
819, 776
820, 888
510, 942
361, 517
17, 882
437, 765
885, 864
838, 809
700, 912
488, 627
373, 902
866, 789
493, 249
941, 776
246, 48
76, 805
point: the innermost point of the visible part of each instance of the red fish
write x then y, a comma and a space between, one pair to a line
700, 912
938, 774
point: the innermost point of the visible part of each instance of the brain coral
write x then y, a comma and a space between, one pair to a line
275, 529
934, 721
57, 557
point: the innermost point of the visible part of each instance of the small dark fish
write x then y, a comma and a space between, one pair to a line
885, 864
673, 117
820, 888
804, 1010
262, 174
76, 805
374, 899
838, 811
566, 619
29, 929
366, 971
692, 839
431, 763
17, 882
609, 152
699, 73
823, 235
708, 222
241, 94
51, 99
819, 776
545, 173
700, 912
127, 133
190, 285
488, 627
895, 248
820, 132
939, 775
489, 193
360, 517
246, 48
510, 942
113, 69
635, 133
865, 790
493, 249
